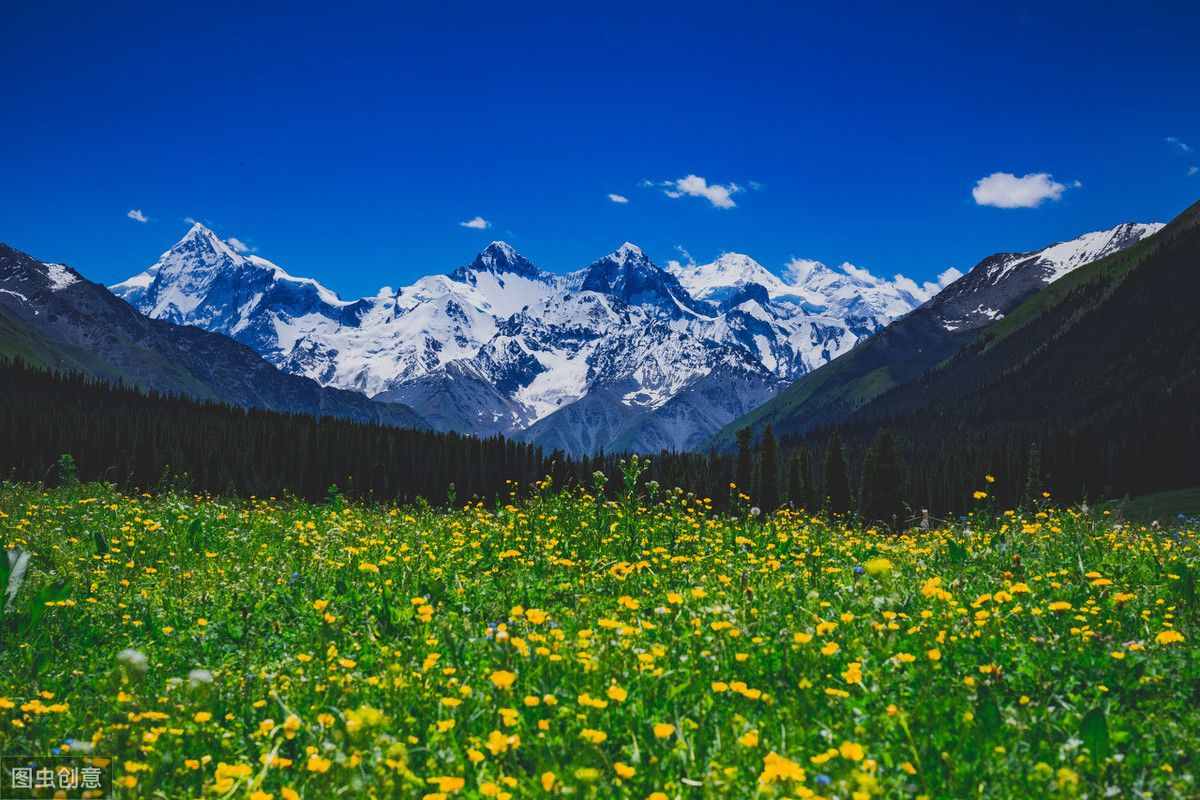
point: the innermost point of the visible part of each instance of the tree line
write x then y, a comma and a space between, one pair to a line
886, 474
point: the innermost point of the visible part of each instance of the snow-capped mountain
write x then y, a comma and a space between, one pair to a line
52, 316
501, 346
621, 353
918, 341
998, 283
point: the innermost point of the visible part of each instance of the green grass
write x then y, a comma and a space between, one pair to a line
562, 646
1163, 507
1105, 273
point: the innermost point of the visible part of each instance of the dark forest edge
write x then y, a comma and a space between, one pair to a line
150, 441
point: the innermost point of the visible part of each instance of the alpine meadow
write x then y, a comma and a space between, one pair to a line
562, 644
659, 402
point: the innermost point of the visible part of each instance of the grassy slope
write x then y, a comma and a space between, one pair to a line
1163, 507
1104, 274
385, 652
894, 356
862, 378
18, 341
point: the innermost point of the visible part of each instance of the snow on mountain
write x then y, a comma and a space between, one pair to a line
58, 319
1059, 259
999, 282
502, 346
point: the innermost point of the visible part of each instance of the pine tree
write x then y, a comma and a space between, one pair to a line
867, 482
1033, 477
768, 471
837, 486
745, 462
798, 479
880, 498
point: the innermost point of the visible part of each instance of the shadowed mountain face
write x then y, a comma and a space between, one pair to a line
50, 315
621, 347
1100, 369
653, 357
915, 343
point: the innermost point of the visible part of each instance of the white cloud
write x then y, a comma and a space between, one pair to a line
238, 245
478, 223
909, 285
1193, 170
928, 289
948, 277
1182, 145
190, 220
136, 215
797, 270
618, 198
721, 196
1005, 190
860, 274
688, 261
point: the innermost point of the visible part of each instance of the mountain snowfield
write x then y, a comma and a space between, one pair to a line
621, 354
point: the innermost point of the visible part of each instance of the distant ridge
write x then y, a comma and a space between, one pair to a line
51, 316
917, 342
642, 357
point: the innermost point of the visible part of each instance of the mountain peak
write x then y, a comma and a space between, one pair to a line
200, 232
201, 239
627, 252
498, 258
501, 247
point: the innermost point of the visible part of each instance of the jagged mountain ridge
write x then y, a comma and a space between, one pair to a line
51, 316
502, 346
915, 343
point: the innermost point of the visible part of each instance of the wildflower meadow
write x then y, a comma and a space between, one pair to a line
553, 644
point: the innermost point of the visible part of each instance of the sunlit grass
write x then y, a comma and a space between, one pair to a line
560, 645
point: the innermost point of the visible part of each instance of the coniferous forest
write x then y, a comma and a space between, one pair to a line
886, 474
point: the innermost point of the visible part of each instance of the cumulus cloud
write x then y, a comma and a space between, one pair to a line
720, 195
812, 274
688, 261
928, 289
136, 215
860, 274
238, 244
478, 223
948, 277
906, 284
618, 198
1005, 190
1182, 145
798, 270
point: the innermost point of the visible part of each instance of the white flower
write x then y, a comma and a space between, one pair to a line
133, 661
199, 676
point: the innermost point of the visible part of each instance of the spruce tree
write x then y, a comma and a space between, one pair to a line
1033, 477
768, 467
880, 499
866, 486
798, 479
837, 485
745, 462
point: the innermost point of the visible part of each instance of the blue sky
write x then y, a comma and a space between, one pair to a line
348, 144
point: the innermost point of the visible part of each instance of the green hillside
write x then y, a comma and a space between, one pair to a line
900, 353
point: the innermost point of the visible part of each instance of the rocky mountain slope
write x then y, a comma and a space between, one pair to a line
1100, 371
51, 316
903, 352
621, 353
